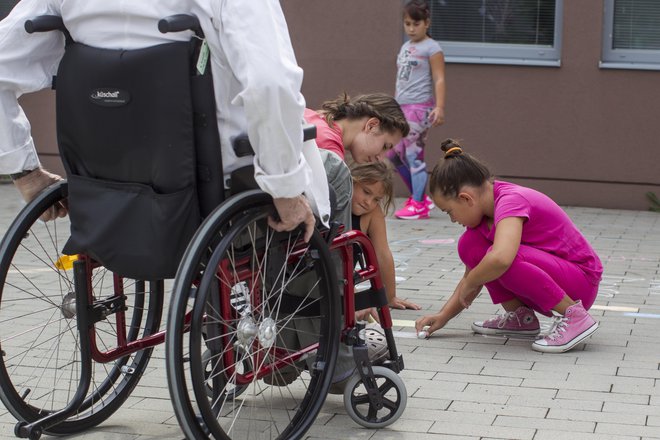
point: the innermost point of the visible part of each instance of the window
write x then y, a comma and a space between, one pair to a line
498, 31
631, 34
6, 6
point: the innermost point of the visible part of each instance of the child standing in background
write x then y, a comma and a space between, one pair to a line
372, 196
420, 90
523, 247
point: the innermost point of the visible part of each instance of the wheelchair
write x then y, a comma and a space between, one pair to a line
254, 318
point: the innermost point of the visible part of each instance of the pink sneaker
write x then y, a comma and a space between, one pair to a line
405, 205
567, 331
413, 210
521, 322
429, 202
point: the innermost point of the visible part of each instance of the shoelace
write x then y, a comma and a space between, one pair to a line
557, 327
506, 318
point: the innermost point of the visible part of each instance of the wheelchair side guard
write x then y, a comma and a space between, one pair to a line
370, 298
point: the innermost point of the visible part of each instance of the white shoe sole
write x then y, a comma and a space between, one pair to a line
567, 346
412, 217
496, 331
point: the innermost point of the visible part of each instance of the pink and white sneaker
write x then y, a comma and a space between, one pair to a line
521, 322
405, 205
413, 210
567, 331
429, 202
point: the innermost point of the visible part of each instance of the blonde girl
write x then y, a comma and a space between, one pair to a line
372, 198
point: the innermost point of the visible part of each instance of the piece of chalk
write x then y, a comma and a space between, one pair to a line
423, 334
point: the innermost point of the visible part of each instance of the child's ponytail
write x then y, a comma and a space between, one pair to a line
456, 170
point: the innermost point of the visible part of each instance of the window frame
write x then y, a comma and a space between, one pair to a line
633, 59
508, 54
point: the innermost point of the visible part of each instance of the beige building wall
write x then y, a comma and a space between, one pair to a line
585, 136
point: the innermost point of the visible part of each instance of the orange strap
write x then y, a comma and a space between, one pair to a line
453, 149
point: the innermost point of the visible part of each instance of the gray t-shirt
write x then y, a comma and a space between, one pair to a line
414, 82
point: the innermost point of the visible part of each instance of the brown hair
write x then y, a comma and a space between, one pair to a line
418, 10
456, 170
373, 172
374, 105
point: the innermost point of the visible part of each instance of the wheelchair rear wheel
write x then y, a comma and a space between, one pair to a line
39, 339
263, 313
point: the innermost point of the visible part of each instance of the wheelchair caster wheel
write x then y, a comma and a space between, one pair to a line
364, 412
20, 430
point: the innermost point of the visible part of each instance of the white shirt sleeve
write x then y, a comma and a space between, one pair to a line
255, 39
27, 64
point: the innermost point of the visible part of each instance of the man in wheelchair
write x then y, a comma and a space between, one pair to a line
165, 90
255, 75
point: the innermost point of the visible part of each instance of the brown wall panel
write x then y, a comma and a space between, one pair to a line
344, 45
40, 110
588, 136
576, 125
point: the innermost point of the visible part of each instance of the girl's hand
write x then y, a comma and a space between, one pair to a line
437, 117
364, 314
433, 322
403, 304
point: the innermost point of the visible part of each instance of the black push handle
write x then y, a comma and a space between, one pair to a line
242, 147
44, 23
309, 132
179, 23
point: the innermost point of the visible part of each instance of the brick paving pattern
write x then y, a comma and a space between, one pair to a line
470, 387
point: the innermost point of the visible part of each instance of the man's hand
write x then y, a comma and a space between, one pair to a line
32, 184
293, 212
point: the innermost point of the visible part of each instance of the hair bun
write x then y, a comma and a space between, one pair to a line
424, 4
451, 148
448, 144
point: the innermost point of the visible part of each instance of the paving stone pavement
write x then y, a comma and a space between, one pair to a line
468, 387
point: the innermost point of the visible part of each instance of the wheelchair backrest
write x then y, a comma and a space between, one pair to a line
126, 115
138, 150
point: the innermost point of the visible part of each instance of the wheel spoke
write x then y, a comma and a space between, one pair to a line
38, 326
251, 324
